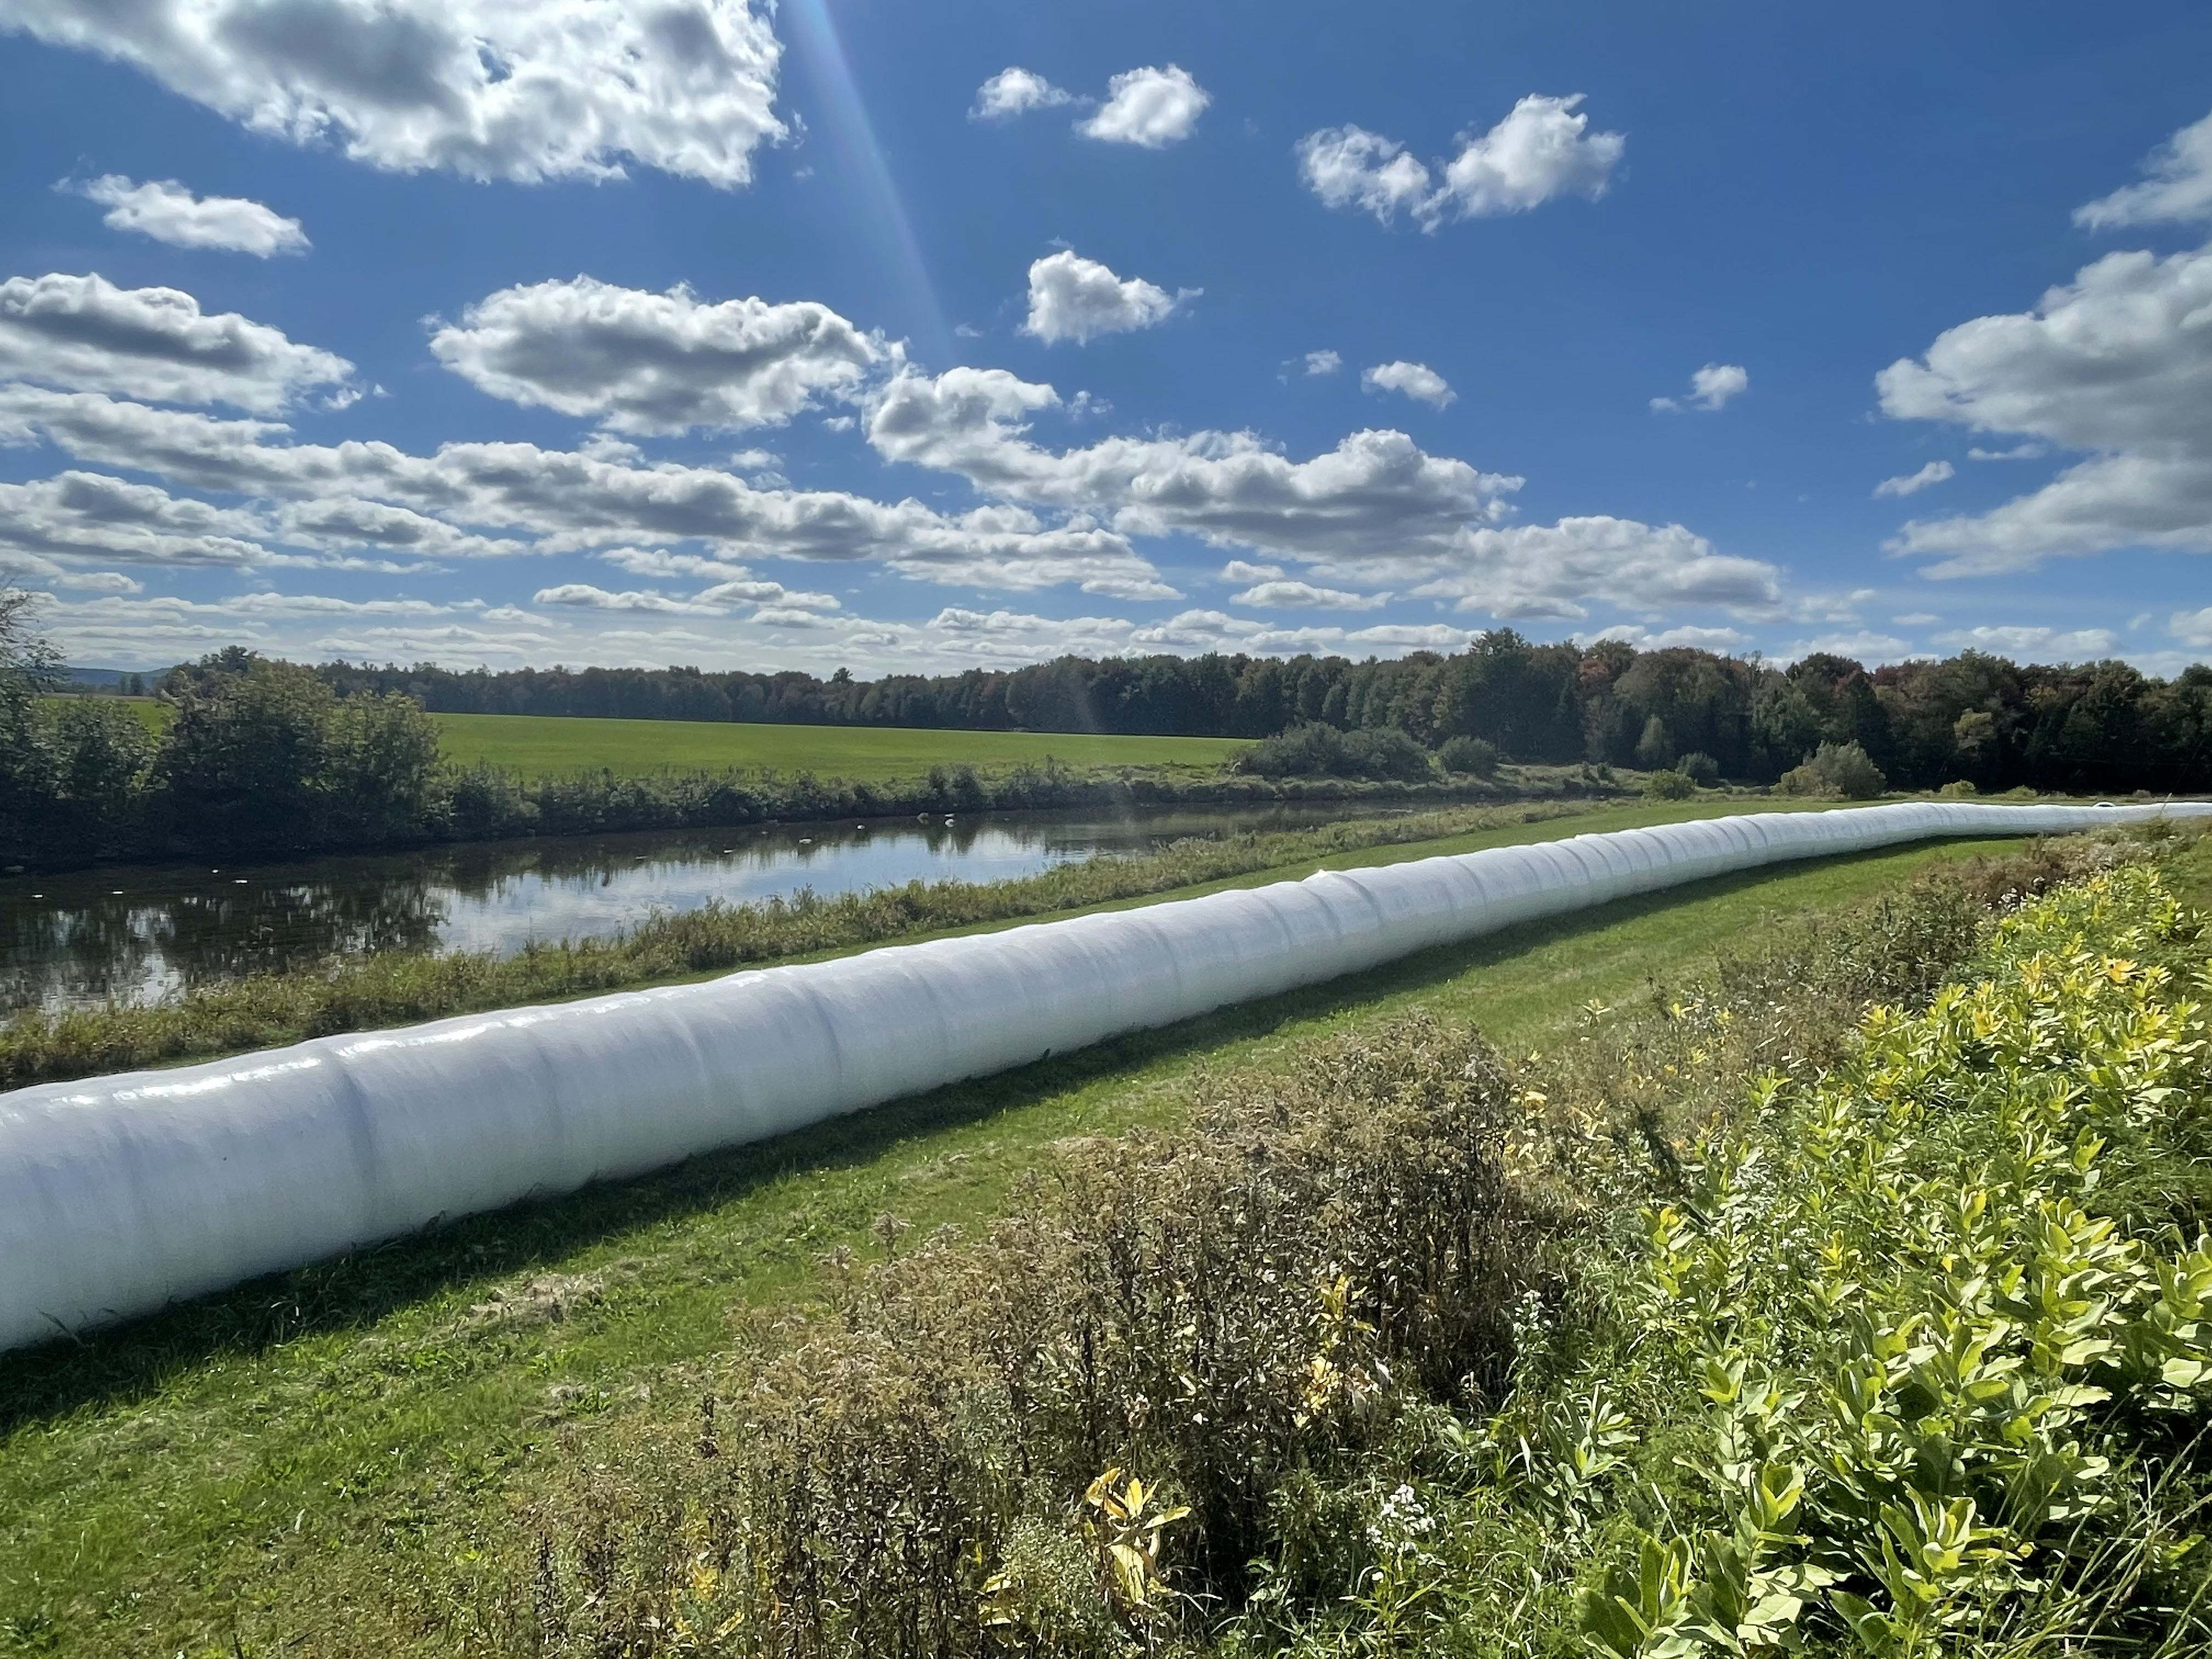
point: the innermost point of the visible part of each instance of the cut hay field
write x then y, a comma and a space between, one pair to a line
543, 746
325, 1463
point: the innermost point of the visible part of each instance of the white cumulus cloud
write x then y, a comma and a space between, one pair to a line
1227, 488
1711, 387
2179, 186
1375, 511
655, 362
1349, 167
168, 212
1542, 150
1415, 380
1150, 108
584, 596
558, 501
1322, 362
523, 90
2116, 363
78, 517
1304, 596
1014, 92
1911, 484
1071, 298
83, 333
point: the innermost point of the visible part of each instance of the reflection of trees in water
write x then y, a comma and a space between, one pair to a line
191, 927
139, 944
88, 953
267, 926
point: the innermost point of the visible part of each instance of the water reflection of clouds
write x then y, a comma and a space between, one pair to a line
172, 929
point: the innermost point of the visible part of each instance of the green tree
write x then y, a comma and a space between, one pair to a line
1655, 749
241, 766
1523, 698
29, 668
101, 752
265, 757
1785, 727
380, 768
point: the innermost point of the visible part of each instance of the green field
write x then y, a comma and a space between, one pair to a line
539, 746
321, 1464
550, 746
152, 713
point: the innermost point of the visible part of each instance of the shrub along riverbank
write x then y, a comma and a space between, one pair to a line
395, 987
1747, 1321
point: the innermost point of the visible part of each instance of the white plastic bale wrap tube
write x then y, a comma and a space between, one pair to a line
120, 1195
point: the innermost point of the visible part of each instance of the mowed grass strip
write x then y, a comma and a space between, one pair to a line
547, 745
319, 1464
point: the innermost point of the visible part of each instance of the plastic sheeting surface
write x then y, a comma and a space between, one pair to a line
121, 1193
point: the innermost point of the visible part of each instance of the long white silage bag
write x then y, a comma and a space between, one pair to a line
120, 1195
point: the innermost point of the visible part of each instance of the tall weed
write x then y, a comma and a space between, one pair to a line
1068, 1436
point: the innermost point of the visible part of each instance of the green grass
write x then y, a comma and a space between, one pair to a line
341, 1449
151, 711
541, 745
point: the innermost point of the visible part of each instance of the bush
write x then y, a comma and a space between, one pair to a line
1476, 756
1387, 753
1067, 1434
1700, 769
1973, 1338
1835, 769
1669, 785
1302, 751
1958, 790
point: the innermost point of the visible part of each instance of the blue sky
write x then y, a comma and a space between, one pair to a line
516, 331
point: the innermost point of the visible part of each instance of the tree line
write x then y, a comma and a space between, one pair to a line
1974, 718
259, 758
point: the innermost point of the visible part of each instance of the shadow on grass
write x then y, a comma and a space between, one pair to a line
360, 1288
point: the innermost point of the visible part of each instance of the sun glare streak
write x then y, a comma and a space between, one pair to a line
860, 161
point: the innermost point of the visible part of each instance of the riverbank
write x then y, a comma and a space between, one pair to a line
485, 803
136, 933
334, 1461
394, 988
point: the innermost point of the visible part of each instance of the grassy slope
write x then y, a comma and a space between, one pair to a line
310, 1452
539, 745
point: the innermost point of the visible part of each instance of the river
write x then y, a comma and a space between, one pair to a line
133, 934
